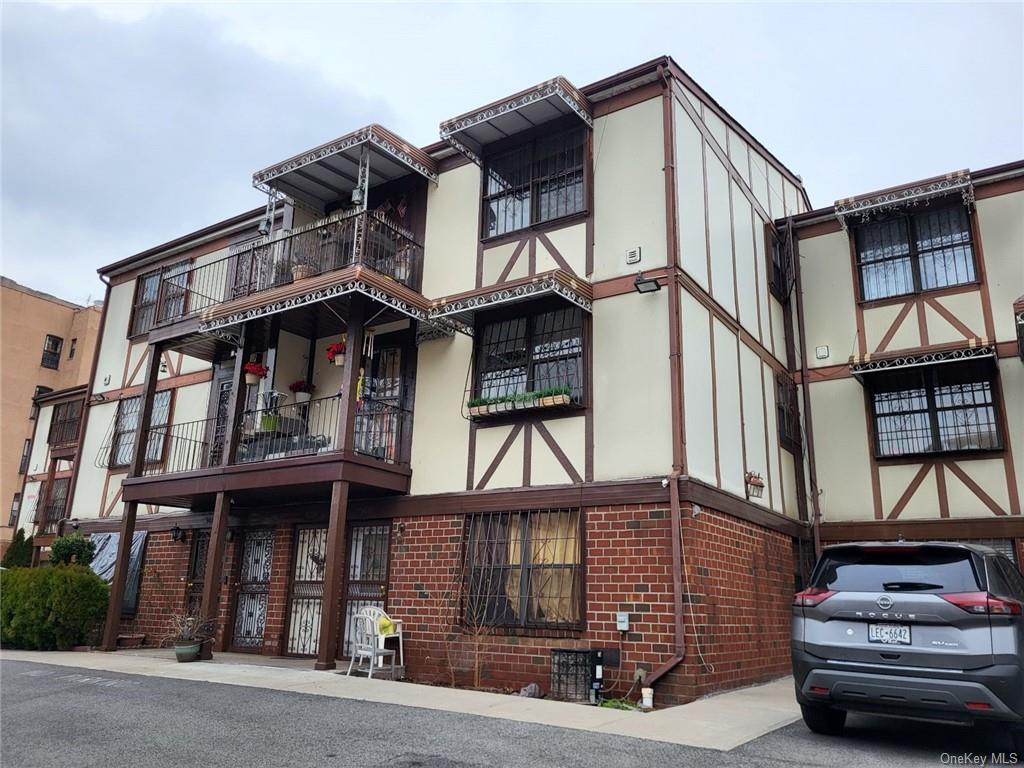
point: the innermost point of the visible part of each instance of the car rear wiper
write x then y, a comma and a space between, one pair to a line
908, 586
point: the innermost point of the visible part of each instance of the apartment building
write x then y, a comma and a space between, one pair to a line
46, 346
535, 389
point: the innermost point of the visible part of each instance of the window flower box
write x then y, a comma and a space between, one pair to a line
481, 407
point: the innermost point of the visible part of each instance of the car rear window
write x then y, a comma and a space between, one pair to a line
925, 569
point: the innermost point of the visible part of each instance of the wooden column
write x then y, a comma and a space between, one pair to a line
212, 579
333, 573
236, 404
135, 469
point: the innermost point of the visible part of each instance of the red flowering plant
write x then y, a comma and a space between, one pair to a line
337, 349
255, 369
302, 386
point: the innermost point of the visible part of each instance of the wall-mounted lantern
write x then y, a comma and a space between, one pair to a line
178, 535
755, 485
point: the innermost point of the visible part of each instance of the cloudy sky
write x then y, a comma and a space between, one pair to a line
127, 125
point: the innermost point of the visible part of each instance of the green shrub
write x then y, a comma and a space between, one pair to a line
19, 553
75, 548
52, 608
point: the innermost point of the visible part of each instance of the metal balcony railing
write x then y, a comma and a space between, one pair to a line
277, 432
340, 241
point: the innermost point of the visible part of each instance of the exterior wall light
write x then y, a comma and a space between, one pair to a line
755, 485
177, 534
646, 284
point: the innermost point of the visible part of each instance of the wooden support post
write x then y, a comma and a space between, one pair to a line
236, 404
335, 566
212, 579
350, 377
117, 585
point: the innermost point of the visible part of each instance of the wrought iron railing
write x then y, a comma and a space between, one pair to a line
296, 429
380, 429
186, 447
339, 241
51, 512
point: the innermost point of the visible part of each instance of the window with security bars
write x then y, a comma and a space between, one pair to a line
943, 409
537, 181
64, 423
12, 521
524, 569
787, 412
531, 352
915, 252
159, 295
125, 423
26, 456
51, 352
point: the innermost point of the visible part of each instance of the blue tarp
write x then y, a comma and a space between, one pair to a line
106, 558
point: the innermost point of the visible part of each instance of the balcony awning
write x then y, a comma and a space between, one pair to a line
866, 366
460, 310
880, 203
330, 172
548, 101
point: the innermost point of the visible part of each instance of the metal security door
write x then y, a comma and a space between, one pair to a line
197, 572
307, 597
367, 575
253, 590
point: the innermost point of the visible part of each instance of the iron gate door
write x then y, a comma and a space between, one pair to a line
307, 593
253, 590
367, 575
197, 572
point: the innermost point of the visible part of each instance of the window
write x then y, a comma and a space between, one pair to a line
35, 408
15, 509
523, 569
535, 182
125, 423
65, 422
946, 408
51, 352
26, 454
531, 352
912, 253
787, 412
47, 517
145, 312
72, 349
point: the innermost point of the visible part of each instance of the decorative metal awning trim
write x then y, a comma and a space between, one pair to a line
881, 203
454, 131
461, 310
442, 326
376, 135
860, 368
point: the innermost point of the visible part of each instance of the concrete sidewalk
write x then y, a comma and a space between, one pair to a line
720, 722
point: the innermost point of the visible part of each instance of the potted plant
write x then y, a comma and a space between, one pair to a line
302, 390
556, 396
301, 270
478, 406
336, 352
188, 633
254, 372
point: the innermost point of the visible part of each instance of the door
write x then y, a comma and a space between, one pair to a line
307, 593
252, 590
378, 421
366, 582
196, 572
219, 418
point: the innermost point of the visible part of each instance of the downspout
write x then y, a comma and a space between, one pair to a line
87, 404
805, 391
676, 373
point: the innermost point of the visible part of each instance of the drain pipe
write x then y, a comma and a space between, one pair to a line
677, 583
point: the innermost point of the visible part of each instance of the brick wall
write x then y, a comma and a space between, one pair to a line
274, 640
741, 580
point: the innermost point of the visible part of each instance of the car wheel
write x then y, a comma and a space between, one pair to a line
824, 720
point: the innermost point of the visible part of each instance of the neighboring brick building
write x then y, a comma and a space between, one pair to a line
571, 388
46, 345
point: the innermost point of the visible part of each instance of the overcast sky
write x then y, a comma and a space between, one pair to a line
125, 126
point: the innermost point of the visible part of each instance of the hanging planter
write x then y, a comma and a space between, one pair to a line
302, 390
336, 353
254, 372
526, 401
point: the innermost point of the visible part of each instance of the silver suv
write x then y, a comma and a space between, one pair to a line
927, 630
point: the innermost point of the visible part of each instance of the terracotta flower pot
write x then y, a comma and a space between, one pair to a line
252, 379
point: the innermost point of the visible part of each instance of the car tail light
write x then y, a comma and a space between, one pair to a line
811, 597
983, 603
819, 691
978, 705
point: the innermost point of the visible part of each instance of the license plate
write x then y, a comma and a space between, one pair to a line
889, 634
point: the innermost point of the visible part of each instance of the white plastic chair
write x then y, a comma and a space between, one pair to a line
365, 643
377, 614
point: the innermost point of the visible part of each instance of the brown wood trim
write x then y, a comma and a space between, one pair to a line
979, 257
527, 453
997, 188
952, 528
1013, 490
619, 286
922, 322
862, 339
499, 456
987, 500
452, 162
627, 99
895, 326
820, 228
176, 382
471, 457
512, 262
940, 483
555, 254
556, 449
911, 489
950, 318
934, 293
532, 256
696, 491
876, 483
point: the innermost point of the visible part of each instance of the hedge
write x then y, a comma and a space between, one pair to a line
51, 608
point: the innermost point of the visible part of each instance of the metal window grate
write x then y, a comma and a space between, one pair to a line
571, 674
787, 412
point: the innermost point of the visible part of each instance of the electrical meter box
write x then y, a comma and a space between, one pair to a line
622, 621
